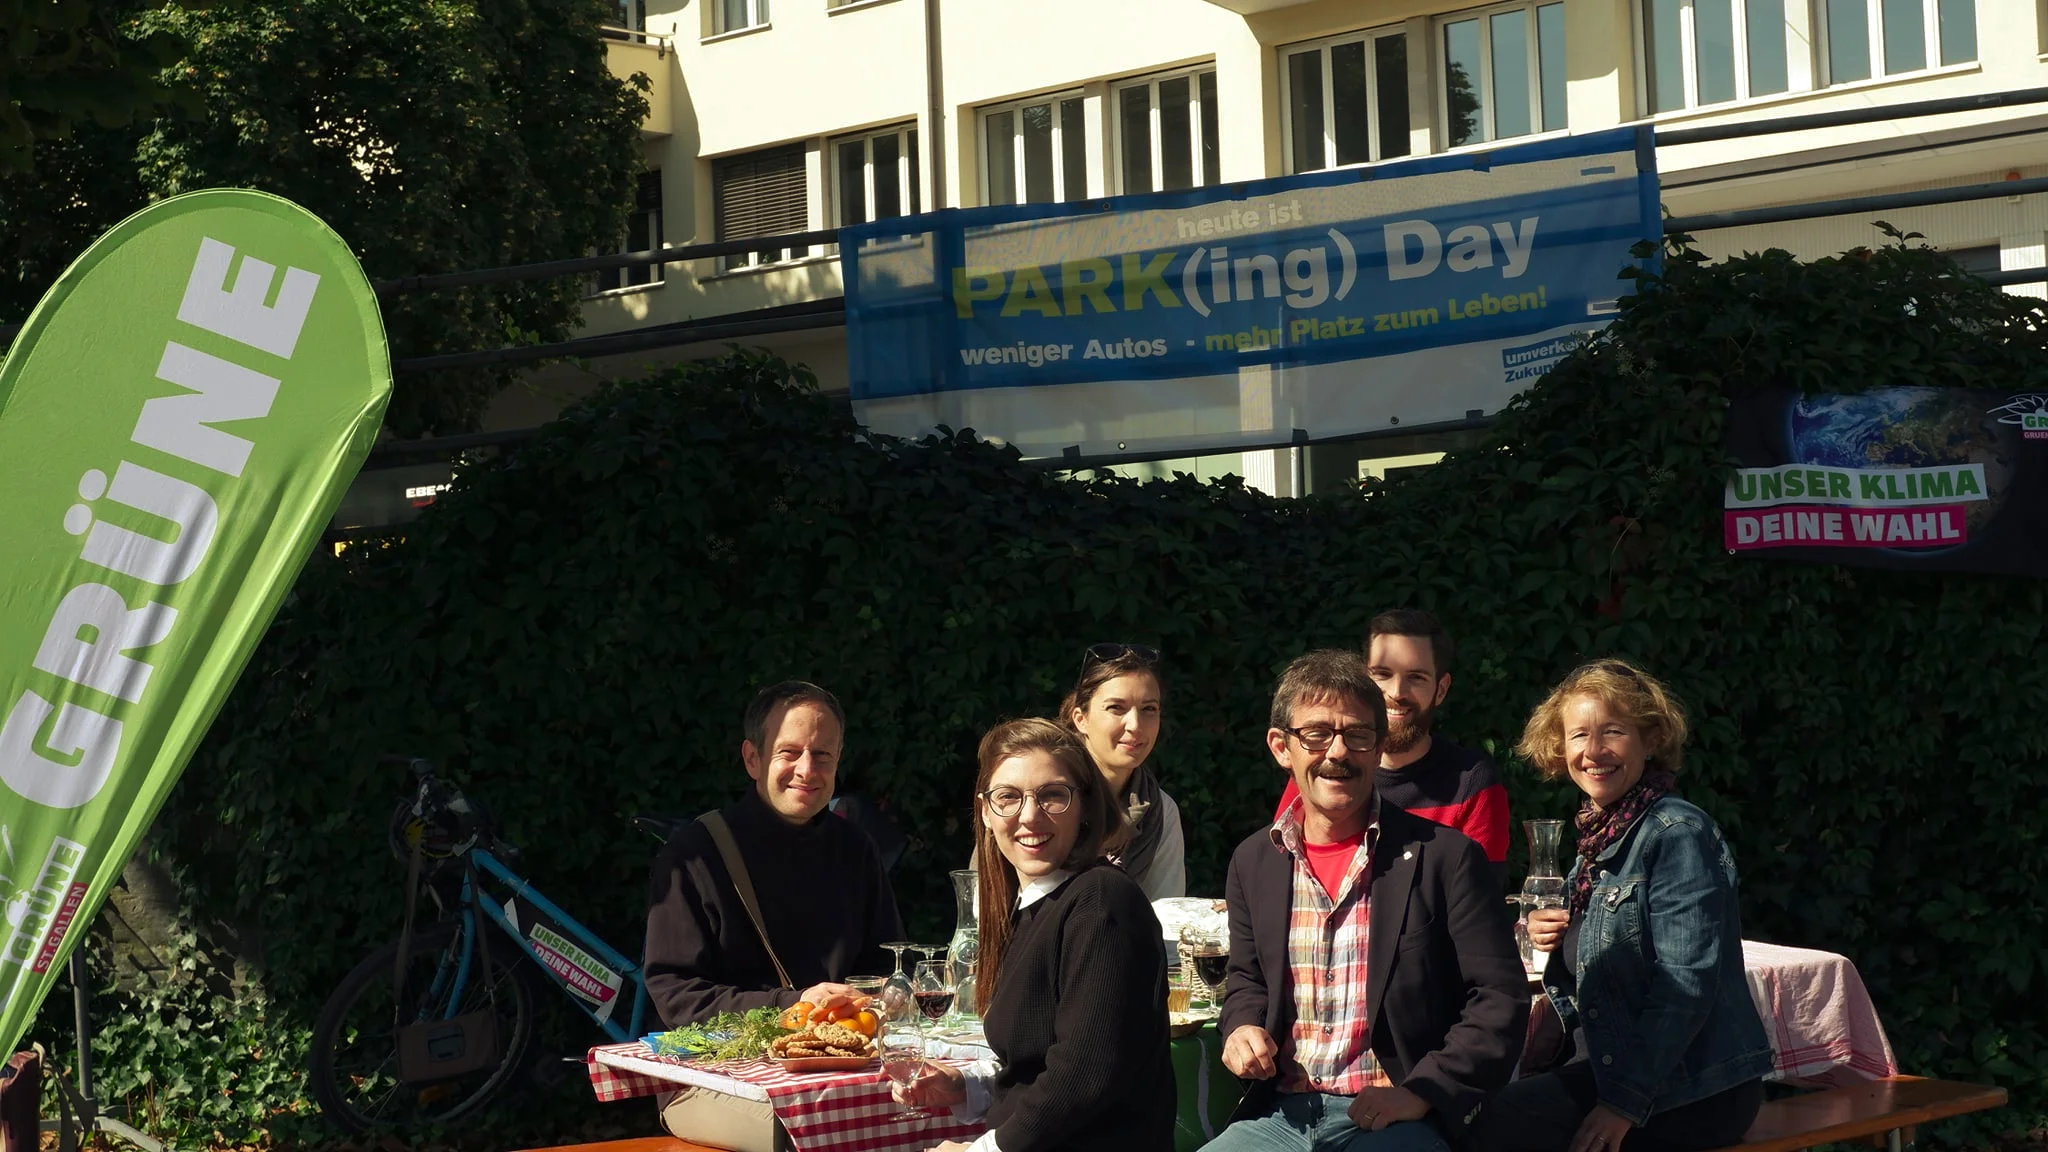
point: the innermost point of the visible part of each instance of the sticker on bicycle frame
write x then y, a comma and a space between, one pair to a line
584, 975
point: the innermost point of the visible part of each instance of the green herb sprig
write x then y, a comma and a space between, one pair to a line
726, 1036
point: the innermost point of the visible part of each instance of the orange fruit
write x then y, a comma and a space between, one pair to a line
796, 1015
865, 1022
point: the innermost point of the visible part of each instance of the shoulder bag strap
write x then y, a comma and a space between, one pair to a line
729, 851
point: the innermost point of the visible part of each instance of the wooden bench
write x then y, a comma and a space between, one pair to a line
1880, 1110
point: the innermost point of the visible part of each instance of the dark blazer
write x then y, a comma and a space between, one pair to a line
1444, 986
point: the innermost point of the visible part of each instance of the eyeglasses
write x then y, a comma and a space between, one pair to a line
1112, 651
1052, 799
1316, 737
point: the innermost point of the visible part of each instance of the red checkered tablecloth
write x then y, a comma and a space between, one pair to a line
835, 1111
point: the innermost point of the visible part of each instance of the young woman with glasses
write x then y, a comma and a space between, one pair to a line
1115, 708
1073, 965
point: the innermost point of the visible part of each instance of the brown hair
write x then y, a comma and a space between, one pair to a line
1636, 695
1095, 673
1102, 830
1415, 622
1324, 674
789, 693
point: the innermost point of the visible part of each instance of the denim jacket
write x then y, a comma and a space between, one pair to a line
1657, 983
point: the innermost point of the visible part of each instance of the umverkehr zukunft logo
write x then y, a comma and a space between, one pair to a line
178, 419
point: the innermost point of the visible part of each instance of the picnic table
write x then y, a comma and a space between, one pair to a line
846, 1111
1823, 1030
821, 1111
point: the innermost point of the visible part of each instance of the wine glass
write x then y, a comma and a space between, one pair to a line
934, 992
896, 1001
1205, 961
902, 1060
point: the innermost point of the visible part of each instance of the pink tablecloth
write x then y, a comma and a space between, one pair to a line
1822, 1025
822, 1111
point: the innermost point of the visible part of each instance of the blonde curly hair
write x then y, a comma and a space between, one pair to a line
1626, 690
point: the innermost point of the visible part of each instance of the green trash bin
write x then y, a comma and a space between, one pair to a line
1207, 1091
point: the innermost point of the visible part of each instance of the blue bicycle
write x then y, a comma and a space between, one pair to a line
434, 1025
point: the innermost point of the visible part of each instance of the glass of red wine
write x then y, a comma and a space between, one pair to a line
1209, 952
933, 991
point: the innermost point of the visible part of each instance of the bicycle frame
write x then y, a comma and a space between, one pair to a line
566, 955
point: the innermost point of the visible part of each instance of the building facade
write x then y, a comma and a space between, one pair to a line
772, 117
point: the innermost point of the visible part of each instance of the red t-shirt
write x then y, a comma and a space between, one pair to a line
1451, 785
1329, 862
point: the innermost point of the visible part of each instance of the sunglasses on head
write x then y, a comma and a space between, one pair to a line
1109, 653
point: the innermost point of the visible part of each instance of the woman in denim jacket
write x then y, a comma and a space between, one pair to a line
1648, 963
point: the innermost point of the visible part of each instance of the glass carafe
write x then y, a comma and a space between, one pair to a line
965, 947
1544, 886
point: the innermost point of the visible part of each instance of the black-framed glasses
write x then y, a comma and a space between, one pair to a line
1112, 651
1053, 799
1317, 737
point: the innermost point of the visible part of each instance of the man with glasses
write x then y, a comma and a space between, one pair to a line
1408, 654
1375, 996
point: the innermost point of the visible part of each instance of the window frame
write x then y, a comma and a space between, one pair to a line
1059, 173
1689, 69
757, 259
908, 174
1113, 110
1375, 147
758, 16
647, 216
1441, 50
1873, 15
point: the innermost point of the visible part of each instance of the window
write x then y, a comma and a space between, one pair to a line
1711, 51
1347, 100
643, 234
762, 193
1166, 132
1503, 73
1035, 152
737, 15
1866, 38
875, 176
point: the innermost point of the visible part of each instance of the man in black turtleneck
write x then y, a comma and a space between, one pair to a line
824, 897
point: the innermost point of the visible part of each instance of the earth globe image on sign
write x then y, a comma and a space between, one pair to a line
1908, 428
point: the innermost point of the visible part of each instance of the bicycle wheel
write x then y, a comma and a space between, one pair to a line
353, 1068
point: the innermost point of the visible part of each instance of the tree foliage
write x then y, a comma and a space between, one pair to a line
574, 630
432, 135
69, 63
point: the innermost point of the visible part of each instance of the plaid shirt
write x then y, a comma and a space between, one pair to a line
1329, 1048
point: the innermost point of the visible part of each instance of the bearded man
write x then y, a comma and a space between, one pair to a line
1408, 655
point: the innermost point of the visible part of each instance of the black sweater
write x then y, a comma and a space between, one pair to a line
823, 895
1079, 1022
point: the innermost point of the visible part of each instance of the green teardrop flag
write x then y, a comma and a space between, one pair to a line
178, 420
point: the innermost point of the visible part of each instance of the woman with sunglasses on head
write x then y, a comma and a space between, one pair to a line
1647, 952
1073, 965
1115, 708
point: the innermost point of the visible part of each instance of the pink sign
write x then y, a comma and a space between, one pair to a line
1817, 526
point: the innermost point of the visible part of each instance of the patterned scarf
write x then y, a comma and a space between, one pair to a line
1141, 796
1602, 828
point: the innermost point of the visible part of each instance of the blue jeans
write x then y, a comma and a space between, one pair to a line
1313, 1122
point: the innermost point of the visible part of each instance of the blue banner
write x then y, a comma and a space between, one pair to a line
1337, 302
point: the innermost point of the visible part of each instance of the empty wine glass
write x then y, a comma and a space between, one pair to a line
896, 999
